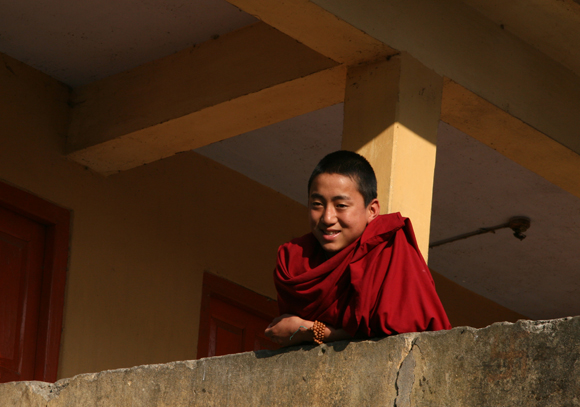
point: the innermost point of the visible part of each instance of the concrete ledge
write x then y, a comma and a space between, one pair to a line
531, 363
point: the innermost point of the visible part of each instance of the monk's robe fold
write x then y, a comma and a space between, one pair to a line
378, 285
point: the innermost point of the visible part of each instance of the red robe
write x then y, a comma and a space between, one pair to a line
379, 285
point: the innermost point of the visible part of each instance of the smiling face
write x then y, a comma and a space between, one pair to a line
338, 215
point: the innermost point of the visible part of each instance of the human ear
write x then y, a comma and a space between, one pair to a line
373, 210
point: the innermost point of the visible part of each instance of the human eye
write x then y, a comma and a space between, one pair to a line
316, 204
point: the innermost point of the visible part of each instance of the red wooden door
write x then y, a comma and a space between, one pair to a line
233, 329
22, 244
34, 238
233, 319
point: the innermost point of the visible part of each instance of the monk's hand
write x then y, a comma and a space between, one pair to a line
287, 330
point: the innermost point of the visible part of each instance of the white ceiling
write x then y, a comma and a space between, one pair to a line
283, 155
78, 42
477, 187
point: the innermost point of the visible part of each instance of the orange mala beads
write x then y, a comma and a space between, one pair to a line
318, 330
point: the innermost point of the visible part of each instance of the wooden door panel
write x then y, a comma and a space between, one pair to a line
34, 241
21, 258
234, 329
256, 340
225, 338
11, 259
226, 329
233, 319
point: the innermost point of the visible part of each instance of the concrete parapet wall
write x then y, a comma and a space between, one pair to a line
530, 363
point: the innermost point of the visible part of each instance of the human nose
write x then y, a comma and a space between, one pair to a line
329, 215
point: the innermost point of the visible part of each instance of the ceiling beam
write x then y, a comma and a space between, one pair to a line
318, 29
511, 137
503, 91
242, 81
459, 43
552, 26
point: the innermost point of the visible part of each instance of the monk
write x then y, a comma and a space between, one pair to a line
357, 274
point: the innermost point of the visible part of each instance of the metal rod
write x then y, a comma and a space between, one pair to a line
466, 235
518, 224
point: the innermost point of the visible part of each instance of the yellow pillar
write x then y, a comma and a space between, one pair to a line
392, 111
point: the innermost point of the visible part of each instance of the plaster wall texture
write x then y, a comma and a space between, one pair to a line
141, 239
532, 363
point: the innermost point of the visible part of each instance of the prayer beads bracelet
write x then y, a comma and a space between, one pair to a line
318, 329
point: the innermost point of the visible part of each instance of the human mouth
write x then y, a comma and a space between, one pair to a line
330, 234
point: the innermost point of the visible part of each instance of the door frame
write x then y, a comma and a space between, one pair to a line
55, 264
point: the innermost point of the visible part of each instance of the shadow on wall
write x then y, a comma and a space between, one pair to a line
466, 308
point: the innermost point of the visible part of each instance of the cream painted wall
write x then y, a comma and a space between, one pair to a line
141, 239
466, 308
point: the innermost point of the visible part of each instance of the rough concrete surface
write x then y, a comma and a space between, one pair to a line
529, 363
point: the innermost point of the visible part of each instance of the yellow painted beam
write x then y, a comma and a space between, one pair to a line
245, 80
459, 43
227, 119
392, 111
318, 29
511, 137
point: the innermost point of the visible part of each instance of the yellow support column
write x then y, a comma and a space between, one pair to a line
392, 111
